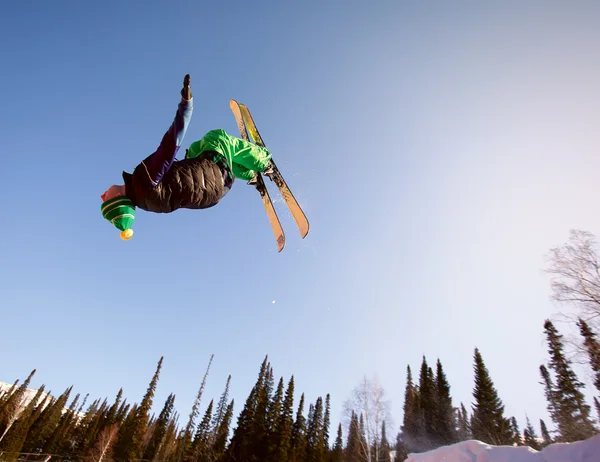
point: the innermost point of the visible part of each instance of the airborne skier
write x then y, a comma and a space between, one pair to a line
162, 184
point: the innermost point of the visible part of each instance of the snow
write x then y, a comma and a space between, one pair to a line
476, 451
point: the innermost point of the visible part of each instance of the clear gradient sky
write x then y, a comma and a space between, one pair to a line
439, 151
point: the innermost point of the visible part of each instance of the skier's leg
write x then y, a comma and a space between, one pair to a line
242, 172
250, 160
159, 162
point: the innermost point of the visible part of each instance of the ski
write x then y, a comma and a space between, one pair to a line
259, 183
277, 177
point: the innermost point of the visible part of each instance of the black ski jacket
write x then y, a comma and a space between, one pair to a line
197, 183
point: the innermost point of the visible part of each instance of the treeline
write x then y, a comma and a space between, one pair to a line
430, 419
269, 428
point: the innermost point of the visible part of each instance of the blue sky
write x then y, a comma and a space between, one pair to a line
439, 151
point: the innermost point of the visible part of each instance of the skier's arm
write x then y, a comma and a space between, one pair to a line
161, 160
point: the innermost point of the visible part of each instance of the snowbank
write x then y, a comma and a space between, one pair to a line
476, 451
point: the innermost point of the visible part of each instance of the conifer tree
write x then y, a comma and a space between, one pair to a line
364, 448
123, 448
428, 407
597, 406
13, 406
199, 449
123, 411
445, 424
568, 408
516, 433
401, 453
326, 423
274, 408
385, 446
315, 440
592, 346
238, 447
220, 411
309, 423
81, 432
530, 437
160, 428
286, 421
61, 440
259, 427
55, 441
65, 446
338, 447
547, 439
412, 431
353, 445
37, 419
96, 427
82, 405
488, 423
299, 434
220, 443
464, 432
551, 397
46, 423
185, 442
111, 416
15, 437
241, 445
97, 424
141, 418
273, 422
167, 451
4, 397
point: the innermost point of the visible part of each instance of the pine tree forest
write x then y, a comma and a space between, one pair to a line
277, 423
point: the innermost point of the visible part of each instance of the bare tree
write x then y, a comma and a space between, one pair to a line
575, 283
102, 450
368, 400
575, 270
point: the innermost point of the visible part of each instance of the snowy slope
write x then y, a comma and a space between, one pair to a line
29, 393
476, 451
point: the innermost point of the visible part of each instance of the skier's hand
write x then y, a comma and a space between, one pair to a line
186, 91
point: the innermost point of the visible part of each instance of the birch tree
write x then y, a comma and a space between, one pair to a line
368, 400
102, 450
575, 276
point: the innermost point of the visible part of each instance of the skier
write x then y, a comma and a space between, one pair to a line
162, 184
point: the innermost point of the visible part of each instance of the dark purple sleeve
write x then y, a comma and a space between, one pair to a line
159, 162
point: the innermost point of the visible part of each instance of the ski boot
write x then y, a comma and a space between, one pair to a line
269, 170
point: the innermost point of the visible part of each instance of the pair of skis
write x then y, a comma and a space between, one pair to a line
246, 124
